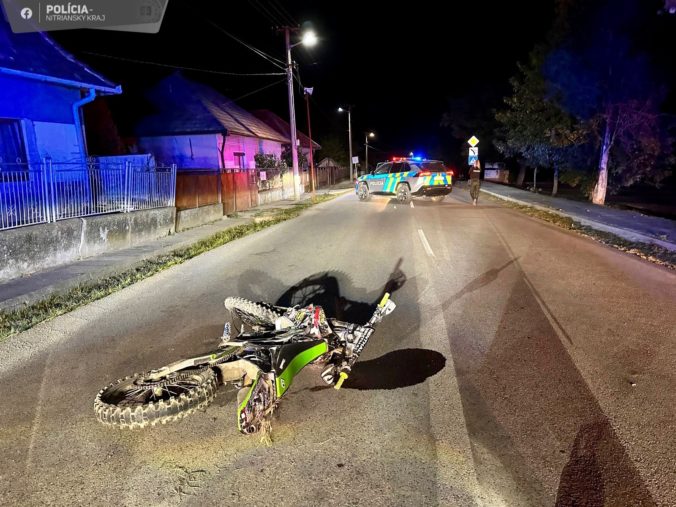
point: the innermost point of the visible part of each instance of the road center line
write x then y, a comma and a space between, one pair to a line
425, 243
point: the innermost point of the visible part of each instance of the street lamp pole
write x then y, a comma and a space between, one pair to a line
366, 142
292, 112
349, 134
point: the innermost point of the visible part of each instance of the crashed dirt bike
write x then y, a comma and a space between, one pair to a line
262, 363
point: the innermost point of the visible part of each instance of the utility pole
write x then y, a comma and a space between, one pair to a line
308, 92
292, 112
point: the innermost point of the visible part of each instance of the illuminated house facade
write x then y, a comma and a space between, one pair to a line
195, 127
42, 92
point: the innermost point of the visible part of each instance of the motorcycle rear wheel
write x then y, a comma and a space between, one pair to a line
136, 401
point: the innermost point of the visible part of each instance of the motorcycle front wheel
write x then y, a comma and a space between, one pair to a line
256, 315
138, 401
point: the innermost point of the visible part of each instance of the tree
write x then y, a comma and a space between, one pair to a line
532, 126
270, 161
602, 80
288, 159
334, 147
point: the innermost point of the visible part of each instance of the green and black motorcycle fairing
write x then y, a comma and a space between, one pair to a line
261, 362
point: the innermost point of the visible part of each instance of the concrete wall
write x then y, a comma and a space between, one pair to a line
28, 249
189, 218
279, 193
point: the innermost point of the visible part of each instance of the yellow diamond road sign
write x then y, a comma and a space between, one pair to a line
473, 141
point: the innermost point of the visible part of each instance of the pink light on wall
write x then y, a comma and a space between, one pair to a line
235, 146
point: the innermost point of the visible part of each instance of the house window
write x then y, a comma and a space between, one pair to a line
239, 159
12, 146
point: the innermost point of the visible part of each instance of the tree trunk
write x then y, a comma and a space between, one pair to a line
535, 180
521, 176
599, 193
555, 187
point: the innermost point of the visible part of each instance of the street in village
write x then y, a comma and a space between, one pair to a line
523, 365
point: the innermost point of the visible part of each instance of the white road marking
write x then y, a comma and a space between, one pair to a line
412, 205
425, 243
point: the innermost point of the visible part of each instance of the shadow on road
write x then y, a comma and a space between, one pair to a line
324, 289
481, 281
524, 401
399, 368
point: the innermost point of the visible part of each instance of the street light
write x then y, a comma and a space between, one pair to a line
308, 39
366, 157
349, 133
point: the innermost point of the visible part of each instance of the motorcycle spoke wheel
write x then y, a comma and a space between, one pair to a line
138, 401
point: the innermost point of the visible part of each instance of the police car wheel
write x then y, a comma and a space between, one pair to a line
437, 198
363, 192
403, 193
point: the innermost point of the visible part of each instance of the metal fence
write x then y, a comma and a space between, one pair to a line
46, 192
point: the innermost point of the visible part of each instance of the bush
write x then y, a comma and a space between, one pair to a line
578, 179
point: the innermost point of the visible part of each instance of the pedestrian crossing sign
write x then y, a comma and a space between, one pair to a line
473, 155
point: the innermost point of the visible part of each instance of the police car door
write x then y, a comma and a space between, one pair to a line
377, 179
396, 175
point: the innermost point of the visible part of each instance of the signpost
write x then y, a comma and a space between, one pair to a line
473, 151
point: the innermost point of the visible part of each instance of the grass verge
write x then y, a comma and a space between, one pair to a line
650, 252
21, 319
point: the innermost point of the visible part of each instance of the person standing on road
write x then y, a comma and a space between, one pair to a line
475, 181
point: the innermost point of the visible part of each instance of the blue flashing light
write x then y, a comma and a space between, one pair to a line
418, 159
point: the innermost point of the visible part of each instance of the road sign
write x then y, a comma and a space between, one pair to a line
473, 155
355, 160
473, 141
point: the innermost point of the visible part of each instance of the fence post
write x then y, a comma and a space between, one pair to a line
46, 208
53, 198
234, 187
126, 201
172, 194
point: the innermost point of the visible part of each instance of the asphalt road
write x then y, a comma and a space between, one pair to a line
524, 365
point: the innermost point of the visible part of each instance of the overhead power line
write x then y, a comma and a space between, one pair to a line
271, 59
281, 10
258, 90
265, 12
274, 61
182, 67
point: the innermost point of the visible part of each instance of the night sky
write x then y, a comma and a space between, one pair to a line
398, 66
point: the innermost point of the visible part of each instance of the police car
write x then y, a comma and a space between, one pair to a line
406, 178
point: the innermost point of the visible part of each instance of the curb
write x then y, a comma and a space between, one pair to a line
599, 226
